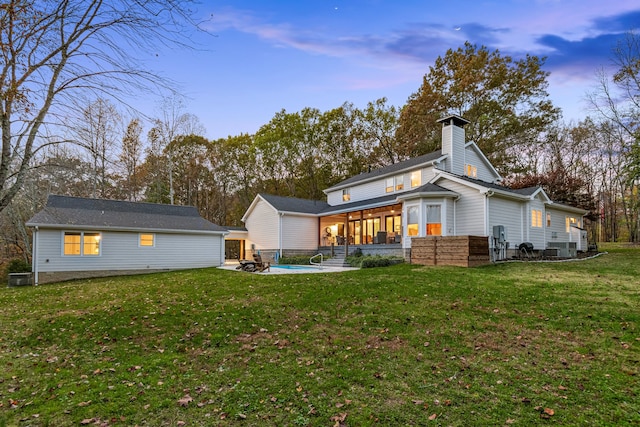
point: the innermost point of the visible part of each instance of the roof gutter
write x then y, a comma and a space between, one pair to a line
127, 229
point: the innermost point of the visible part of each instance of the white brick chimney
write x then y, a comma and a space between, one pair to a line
453, 141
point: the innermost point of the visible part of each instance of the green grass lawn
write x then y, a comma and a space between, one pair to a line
510, 344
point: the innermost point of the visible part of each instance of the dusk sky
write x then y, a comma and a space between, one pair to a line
265, 56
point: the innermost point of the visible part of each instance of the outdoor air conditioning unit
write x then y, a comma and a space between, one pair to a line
565, 249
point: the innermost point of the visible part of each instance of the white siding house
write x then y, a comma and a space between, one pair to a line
454, 191
78, 237
281, 226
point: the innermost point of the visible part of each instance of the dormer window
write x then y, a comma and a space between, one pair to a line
471, 171
346, 194
399, 183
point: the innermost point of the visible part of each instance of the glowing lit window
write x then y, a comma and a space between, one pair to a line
412, 221
471, 171
548, 220
399, 182
91, 244
346, 195
389, 185
81, 244
147, 239
416, 179
536, 218
571, 220
434, 221
72, 244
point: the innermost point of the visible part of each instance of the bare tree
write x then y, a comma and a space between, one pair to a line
130, 158
53, 50
96, 132
617, 103
174, 122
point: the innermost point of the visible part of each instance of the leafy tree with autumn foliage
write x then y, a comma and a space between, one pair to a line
505, 100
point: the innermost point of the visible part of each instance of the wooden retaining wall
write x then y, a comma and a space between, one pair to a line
461, 251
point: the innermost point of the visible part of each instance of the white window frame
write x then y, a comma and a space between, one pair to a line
471, 171
389, 185
536, 218
82, 243
571, 220
346, 194
409, 209
416, 179
442, 216
399, 182
153, 240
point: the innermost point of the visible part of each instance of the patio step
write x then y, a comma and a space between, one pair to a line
336, 261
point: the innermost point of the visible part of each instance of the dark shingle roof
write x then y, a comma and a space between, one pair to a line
428, 188
62, 211
361, 204
293, 204
520, 191
388, 170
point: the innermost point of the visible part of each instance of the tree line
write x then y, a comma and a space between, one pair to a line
97, 148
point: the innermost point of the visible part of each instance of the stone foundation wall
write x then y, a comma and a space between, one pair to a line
63, 276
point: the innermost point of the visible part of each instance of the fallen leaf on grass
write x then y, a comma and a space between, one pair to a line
433, 417
339, 419
545, 413
87, 403
185, 400
87, 421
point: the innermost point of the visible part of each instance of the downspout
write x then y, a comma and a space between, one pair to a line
280, 235
455, 215
34, 256
223, 256
488, 194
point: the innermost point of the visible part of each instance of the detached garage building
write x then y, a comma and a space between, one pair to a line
78, 237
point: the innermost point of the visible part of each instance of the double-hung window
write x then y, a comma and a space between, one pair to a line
434, 220
412, 221
536, 218
388, 186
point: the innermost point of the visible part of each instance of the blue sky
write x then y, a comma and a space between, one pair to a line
265, 56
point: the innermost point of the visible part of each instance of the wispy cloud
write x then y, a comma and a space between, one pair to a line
420, 43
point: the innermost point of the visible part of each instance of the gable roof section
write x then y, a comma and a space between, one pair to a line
76, 212
528, 193
484, 186
483, 158
428, 189
393, 169
290, 205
